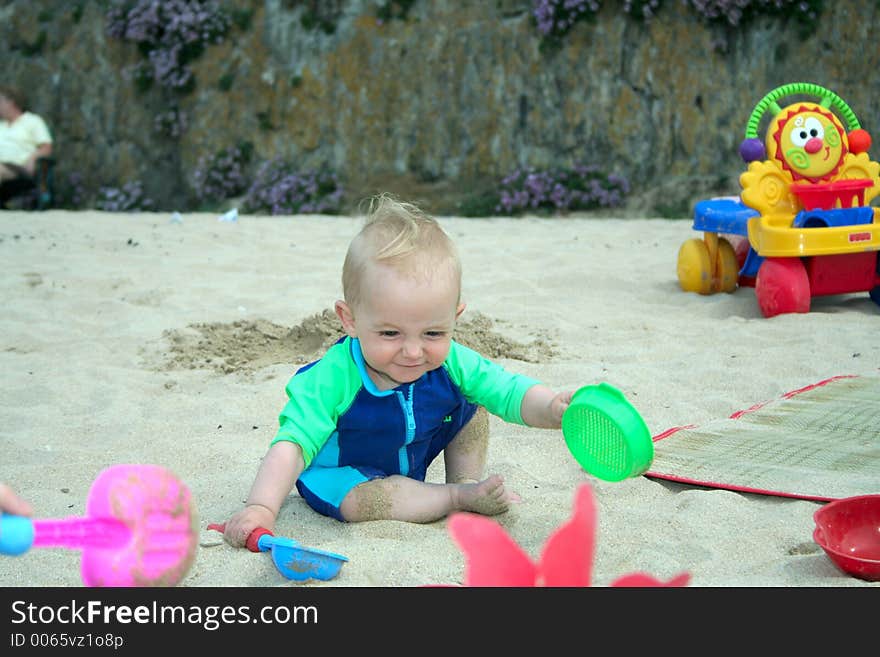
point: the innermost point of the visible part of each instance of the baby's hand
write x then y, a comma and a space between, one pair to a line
10, 502
559, 403
240, 526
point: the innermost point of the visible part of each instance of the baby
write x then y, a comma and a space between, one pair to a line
364, 422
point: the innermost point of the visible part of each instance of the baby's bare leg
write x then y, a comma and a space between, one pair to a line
465, 456
401, 498
7, 173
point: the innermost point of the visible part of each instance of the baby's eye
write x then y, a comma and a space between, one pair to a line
389, 334
435, 334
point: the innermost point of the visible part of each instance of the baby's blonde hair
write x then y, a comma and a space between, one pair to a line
399, 235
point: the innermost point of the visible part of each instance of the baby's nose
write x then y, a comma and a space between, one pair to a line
412, 348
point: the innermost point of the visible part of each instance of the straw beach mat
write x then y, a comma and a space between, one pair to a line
821, 442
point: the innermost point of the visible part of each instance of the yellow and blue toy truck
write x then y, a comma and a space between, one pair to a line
802, 225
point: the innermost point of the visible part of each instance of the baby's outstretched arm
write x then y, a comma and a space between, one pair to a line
278, 472
543, 408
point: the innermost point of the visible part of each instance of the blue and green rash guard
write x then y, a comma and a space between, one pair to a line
350, 431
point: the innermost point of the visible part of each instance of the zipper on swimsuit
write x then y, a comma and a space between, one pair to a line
409, 416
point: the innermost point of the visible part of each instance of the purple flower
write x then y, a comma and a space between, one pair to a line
278, 189
732, 12
224, 174
582, 188
130, 198
555, 17
170, 32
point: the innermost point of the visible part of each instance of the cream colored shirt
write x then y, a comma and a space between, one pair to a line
20, 139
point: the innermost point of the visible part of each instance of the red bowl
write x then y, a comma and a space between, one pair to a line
849, 531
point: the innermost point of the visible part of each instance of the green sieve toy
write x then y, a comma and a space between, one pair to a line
606, 435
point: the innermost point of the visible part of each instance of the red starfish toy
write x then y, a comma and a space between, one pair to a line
492, 557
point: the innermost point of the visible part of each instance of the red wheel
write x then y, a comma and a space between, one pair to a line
741, 248
782, 287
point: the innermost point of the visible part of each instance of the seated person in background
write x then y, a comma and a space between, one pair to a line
24, 136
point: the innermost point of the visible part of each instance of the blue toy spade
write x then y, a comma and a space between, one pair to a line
293, 560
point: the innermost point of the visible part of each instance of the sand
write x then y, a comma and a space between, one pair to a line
131, 338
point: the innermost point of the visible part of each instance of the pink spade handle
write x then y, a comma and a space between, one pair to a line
76, 533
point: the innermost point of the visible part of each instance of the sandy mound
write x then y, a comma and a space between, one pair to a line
249, 345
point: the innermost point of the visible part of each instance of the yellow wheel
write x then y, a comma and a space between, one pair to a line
694, 267
727, 267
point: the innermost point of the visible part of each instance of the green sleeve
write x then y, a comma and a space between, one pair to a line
486, 383
316, 400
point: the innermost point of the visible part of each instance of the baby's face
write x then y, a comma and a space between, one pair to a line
404, 325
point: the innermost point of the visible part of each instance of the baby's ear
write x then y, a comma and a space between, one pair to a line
343, 312
460, 310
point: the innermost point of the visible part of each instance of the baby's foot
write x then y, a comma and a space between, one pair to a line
488, 497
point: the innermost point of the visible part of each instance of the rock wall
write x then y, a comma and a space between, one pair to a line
441, 104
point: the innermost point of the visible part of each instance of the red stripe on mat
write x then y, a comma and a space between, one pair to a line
755, 407
742, 489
